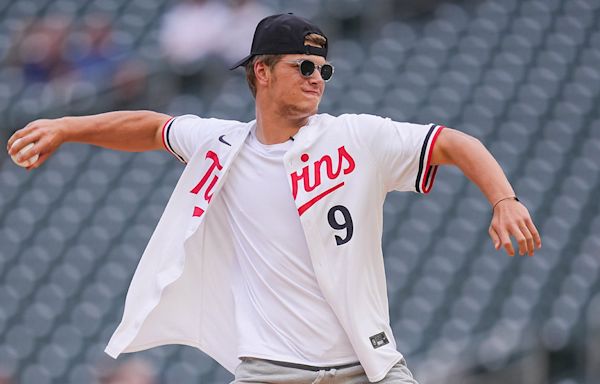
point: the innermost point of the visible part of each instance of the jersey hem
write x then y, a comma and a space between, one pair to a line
296, 361
114, 351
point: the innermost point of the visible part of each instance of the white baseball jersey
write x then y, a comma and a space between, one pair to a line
340, 170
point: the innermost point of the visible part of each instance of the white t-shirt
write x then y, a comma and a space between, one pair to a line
280, 311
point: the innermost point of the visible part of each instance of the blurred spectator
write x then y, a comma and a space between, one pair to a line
202, 38
191, 39
64, 62
130, 86
93, 54
245, 14
5, 379
40, 52
193, 30
133, 371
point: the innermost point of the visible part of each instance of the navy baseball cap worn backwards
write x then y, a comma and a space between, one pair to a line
283, 34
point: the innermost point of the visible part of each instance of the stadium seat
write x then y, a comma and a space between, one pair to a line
521, 76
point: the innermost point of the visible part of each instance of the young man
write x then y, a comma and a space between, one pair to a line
269, 250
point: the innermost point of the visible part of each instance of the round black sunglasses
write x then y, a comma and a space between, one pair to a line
307, 68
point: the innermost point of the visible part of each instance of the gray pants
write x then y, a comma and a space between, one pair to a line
257, 371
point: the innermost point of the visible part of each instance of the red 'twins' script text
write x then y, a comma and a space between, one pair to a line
311, 175
208, 193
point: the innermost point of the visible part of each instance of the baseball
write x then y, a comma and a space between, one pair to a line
25, 163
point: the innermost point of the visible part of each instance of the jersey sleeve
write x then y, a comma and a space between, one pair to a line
403, 153
182, 135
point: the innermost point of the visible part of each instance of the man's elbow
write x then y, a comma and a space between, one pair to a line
160, 120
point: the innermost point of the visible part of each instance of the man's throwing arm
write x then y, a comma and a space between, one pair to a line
133, 131
510, 217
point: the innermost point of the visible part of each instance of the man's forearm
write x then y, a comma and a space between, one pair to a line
475, 161
122, 130
510, 218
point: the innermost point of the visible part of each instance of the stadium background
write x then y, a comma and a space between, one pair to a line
522, 76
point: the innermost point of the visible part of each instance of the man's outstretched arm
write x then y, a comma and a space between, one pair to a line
133, 131
510, 217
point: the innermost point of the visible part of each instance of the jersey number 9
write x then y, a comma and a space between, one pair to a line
345, 224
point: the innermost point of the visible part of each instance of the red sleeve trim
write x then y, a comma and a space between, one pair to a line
163, 133
166, 142
429, 171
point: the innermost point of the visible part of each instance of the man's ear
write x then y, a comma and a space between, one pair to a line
262, 72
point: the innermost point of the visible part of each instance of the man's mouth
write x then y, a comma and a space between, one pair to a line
312, 92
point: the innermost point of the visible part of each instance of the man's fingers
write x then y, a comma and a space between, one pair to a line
513, 220
528, 238
18, 135
521, 239
506, 243
15, 137
501, 237
534, 232
18, 145
21, 143
495, 237
27, 154
39, 161
13, 146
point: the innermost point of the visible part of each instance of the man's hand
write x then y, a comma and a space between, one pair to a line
46, 135
511, 218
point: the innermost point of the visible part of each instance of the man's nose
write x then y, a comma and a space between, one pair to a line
315, 77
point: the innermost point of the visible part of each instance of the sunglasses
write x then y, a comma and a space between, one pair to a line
307, 68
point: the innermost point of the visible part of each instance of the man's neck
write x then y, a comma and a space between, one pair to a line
274, 129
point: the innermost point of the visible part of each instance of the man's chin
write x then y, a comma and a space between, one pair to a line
305, 110
312, 108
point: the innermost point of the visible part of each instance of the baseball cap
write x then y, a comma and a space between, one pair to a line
281, 34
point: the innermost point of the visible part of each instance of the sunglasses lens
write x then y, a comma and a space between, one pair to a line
326, 72
307, 68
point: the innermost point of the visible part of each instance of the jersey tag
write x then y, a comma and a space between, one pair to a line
379, 340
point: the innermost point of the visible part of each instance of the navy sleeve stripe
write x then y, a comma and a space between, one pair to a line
426, 173
167, 140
